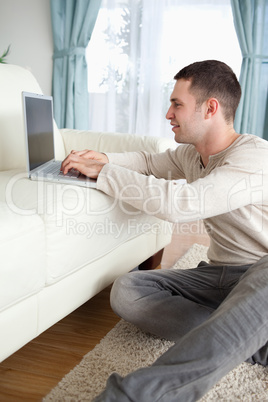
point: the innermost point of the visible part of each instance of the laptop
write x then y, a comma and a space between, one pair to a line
40, 145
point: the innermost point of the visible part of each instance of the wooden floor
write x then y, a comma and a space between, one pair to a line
30, 373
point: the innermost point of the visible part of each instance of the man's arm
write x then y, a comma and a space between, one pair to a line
225, 189
90, 163
165, 165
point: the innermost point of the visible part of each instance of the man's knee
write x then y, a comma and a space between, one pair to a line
120, 297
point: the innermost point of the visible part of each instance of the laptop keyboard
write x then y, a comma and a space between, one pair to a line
71, 173
54, 170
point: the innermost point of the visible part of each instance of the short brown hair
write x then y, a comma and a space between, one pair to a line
213, 79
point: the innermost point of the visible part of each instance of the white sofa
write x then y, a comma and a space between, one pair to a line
60, 244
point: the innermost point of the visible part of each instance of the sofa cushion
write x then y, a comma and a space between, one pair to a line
14, 80
113, 142
22, 256
81, 225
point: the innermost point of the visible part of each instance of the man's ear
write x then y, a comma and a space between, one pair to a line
211, 107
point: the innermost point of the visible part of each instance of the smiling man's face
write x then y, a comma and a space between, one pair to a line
184, 115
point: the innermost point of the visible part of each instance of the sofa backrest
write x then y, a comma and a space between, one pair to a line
14, 80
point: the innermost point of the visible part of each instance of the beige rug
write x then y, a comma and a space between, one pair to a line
125, 348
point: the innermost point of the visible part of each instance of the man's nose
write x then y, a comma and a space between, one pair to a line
170, 114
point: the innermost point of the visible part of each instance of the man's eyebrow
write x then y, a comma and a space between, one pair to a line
175, 100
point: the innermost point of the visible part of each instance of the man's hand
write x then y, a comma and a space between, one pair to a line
87, 162
89, 154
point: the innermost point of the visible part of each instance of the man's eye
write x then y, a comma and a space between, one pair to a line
177, 104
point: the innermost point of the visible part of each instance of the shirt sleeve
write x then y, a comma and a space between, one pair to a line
225, 189
165, 165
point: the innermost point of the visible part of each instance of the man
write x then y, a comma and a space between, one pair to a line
217, 313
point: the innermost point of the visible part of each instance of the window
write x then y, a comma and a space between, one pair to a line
138, 46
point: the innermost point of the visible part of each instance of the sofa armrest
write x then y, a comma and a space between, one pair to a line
113, 142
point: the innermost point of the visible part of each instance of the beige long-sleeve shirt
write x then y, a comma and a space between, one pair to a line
230, 194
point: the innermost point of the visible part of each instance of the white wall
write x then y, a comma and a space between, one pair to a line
26, 25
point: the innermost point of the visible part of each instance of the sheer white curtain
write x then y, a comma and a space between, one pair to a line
136, 49
150, 94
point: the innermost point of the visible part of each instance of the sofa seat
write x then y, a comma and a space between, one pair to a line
23, 272
60, 244
63, 227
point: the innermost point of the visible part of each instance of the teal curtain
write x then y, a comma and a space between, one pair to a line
251, 24
72, 23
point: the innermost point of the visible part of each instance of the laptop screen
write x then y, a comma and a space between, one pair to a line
39, 129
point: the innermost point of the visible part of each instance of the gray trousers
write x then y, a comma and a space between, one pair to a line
218, 317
